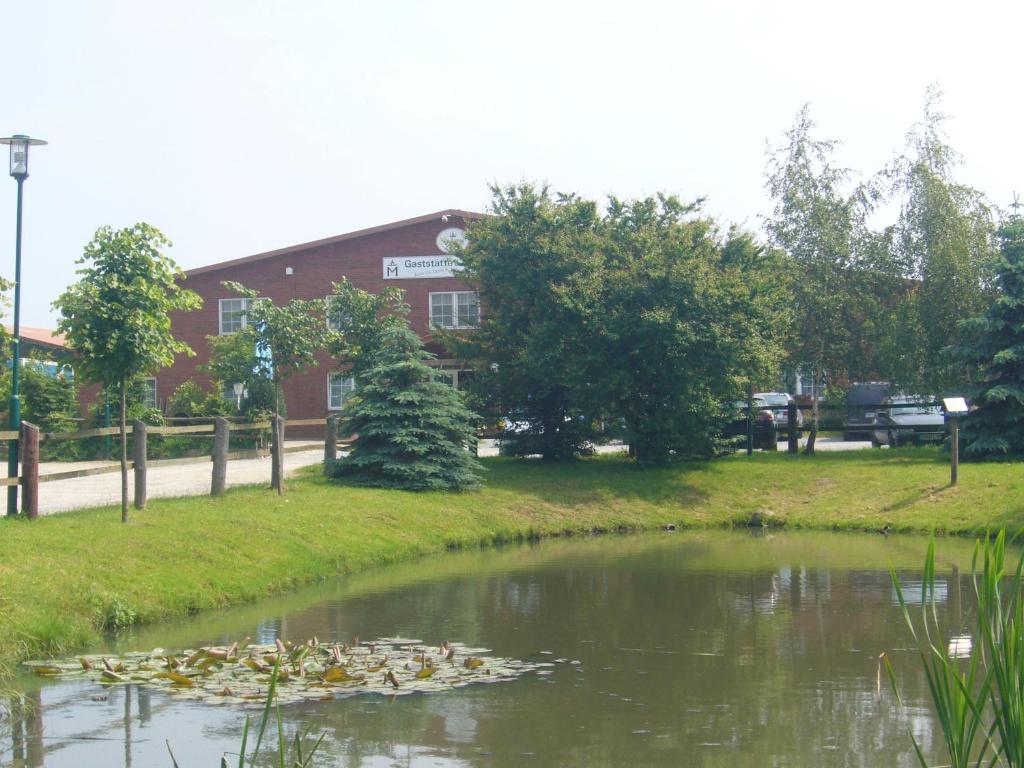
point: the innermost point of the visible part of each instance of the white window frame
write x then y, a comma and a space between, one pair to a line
455, 374
150, 385
804, 384
455, 309
243, 315
331, 378
327, 312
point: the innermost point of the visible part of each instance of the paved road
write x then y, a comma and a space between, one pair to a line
162, 482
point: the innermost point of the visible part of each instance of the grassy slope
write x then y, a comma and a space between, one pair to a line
63, 576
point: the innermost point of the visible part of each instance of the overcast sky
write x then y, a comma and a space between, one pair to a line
239, 126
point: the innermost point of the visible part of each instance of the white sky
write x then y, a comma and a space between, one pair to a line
238, 126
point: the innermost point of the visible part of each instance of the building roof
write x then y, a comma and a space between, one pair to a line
466, 215
40, 336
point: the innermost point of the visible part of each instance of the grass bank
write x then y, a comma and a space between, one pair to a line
63, 579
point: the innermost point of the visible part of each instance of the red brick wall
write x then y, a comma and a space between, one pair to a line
314, 269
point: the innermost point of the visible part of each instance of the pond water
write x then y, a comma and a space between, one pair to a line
696, 649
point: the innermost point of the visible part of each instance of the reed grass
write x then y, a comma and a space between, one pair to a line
978, 701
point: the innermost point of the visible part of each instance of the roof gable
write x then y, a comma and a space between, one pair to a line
466, 215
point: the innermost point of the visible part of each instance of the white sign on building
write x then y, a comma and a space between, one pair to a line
408, 267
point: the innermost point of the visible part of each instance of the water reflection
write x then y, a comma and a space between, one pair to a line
707, 649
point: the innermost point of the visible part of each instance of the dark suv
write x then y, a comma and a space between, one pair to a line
862, 403
903, 420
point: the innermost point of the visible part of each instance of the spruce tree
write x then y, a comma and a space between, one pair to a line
412, 429
995, 429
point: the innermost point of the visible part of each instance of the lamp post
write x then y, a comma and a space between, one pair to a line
19, 170
240, 391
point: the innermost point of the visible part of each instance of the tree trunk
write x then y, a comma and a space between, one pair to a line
124, 453
276, 446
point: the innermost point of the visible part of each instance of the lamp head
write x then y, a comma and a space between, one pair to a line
19, 145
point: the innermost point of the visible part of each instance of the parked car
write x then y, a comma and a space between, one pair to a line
765, 435
862, 403
901, 420
779, 402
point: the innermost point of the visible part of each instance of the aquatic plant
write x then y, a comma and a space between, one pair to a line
977, 688
300, 756
247, 675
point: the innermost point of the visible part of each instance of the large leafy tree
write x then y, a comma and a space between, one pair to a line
283, 339
116, 317
686, 323
538, 265
944, 245
996, 357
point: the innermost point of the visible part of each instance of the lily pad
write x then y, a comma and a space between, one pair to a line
240, 674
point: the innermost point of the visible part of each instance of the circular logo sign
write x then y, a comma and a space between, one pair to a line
449, 236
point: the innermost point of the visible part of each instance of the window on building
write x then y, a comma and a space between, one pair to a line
458, 309
339, 388
335, 321
233, 314
149, 392
453, 377
805, 385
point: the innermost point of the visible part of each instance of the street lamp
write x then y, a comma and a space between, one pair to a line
19, 170
240, 391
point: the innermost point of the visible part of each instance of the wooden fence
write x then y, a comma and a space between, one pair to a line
30, 438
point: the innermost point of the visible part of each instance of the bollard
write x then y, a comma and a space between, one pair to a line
221, 440
330, 441
29, 470
139, 462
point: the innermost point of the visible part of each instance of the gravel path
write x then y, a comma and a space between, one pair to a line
162, 482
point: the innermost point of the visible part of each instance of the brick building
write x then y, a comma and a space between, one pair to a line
407, 254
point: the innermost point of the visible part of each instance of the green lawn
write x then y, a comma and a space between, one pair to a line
64, 577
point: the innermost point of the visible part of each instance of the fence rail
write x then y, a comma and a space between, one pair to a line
29, 438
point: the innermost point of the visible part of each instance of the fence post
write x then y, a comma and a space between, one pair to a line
750, 421
139, 452
277, 455
29, 470
330, 441
221, 440
792, 429
954, 448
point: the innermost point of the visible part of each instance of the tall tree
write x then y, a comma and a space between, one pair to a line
685, 323
814, 221
537, 264
116, 317
285, 340
995, 357
944, 245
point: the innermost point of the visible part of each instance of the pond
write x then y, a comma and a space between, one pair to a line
690, 648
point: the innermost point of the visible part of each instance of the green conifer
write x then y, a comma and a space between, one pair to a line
995, 429
413, 430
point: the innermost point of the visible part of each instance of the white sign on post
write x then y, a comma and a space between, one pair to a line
410, 267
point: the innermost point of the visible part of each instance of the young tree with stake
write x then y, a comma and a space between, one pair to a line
117, 315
